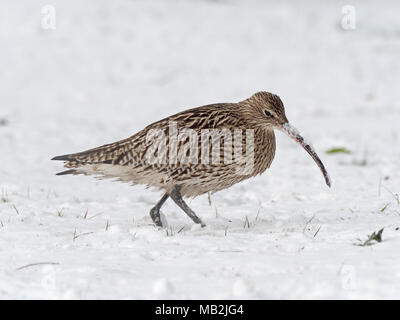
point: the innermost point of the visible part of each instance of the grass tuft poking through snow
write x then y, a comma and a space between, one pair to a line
375, 237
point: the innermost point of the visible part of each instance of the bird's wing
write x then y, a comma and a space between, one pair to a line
132, 151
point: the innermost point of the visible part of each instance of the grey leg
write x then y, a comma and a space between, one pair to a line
177, 197
155, 212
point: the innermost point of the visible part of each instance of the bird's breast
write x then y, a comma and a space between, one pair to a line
264, 150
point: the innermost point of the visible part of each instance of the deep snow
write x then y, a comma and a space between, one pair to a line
110, 68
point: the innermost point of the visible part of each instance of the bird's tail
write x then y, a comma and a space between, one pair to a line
71, 171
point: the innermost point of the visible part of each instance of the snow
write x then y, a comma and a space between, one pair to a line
111, 68
162, 288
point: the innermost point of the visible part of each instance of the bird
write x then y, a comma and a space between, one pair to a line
197, 151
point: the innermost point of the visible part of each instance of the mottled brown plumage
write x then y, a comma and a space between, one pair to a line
176, 170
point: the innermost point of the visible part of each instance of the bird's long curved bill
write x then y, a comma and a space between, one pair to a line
293, 133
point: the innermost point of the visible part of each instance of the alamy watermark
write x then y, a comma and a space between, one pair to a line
187, 146
348, 277
48, 21
348, 21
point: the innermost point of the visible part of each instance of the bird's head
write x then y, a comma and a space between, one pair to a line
266, 111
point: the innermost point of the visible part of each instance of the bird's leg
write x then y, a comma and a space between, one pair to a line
177, 197
155, 211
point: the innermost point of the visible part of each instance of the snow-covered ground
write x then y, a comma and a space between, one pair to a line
112, 67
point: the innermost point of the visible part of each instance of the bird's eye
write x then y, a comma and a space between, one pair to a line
268, 114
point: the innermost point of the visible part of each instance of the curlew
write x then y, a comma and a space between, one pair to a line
200, 150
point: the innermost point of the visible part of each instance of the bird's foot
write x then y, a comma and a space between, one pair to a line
200, 222
155, 216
